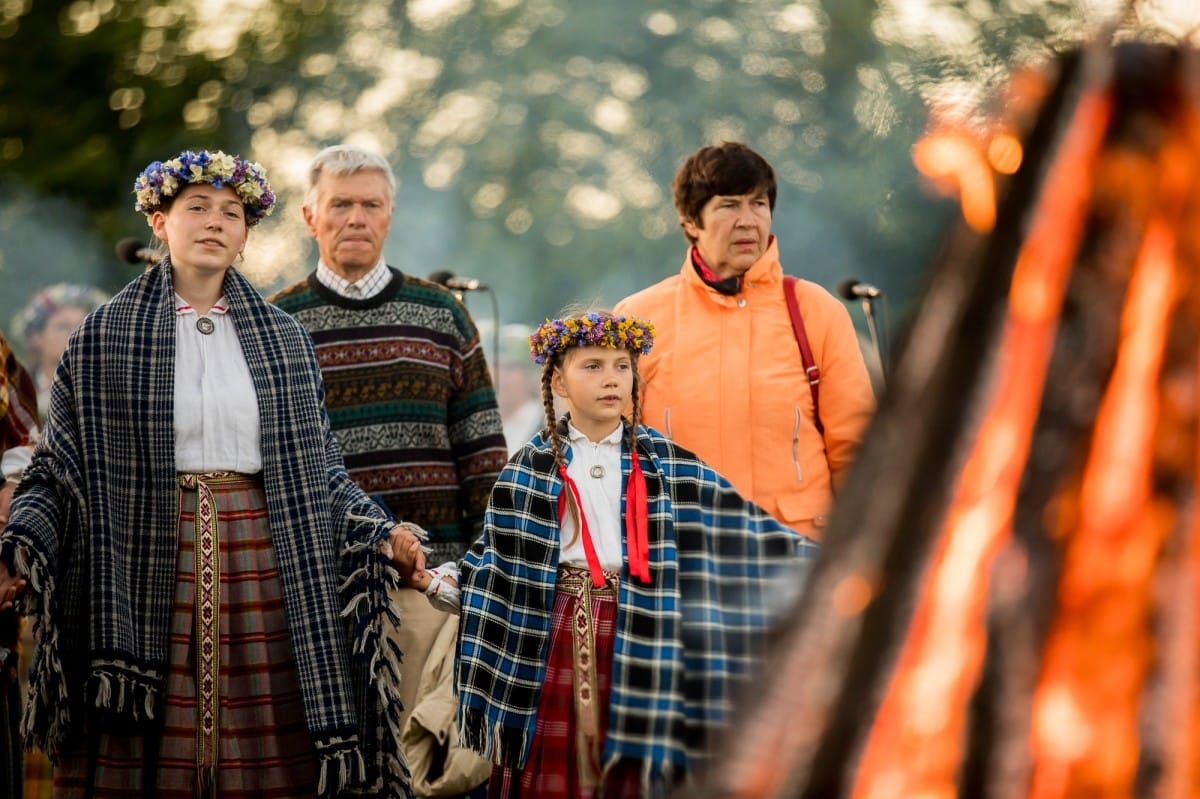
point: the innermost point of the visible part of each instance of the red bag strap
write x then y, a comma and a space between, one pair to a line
806, 357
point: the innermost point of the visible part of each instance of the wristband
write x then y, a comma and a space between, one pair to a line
435, 583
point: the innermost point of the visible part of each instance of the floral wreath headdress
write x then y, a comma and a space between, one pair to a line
164, 179
556, 336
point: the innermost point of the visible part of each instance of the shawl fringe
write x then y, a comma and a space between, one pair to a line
367, 607
47, 715
503, 746
656, 780
341, 765
124, 696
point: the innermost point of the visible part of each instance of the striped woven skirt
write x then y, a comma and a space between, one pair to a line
572, 715
233, 721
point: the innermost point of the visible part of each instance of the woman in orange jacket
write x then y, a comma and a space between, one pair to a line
726, 378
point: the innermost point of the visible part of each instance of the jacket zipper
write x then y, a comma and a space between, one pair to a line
796, 446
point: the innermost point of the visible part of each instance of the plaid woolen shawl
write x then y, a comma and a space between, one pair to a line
683, 642
94, 529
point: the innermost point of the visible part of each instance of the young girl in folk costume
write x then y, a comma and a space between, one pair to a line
210, 587
618, 592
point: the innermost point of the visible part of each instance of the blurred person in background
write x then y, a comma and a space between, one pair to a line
726, 378
18, 429
210, 587
518, 386
407, 384
44, 326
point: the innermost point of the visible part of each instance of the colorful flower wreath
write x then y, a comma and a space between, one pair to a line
163, 179
556, 336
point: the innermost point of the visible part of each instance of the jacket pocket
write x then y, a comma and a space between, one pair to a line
803, 514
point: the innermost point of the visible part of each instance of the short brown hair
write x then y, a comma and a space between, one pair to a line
728, 169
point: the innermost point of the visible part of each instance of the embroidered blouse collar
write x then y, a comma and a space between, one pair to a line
183, 307
577, 437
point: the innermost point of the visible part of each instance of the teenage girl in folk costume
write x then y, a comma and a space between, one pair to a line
618, 593
210, 587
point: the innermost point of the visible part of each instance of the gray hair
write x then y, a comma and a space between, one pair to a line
346, 159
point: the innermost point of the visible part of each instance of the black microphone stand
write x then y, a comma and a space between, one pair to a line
495, 328
495, 362
868, 306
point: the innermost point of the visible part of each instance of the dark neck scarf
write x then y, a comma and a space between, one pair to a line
728, 285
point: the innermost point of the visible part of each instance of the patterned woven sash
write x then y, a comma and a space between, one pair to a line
208, 612
577, 582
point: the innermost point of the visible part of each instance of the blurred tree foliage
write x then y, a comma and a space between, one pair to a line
558, 126
90, 92
535, 140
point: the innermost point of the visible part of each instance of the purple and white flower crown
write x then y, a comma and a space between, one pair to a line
164, 179
556, 336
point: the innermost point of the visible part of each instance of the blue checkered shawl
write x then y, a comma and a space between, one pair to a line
684, 642
94, 528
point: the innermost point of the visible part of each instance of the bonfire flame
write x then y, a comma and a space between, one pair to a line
1006, 603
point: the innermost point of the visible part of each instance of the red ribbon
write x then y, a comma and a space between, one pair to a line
637, 534
589, 549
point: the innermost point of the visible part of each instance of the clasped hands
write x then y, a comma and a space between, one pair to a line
404, 549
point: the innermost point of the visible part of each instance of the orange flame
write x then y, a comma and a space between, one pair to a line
954, 161
915, 745
1085, 736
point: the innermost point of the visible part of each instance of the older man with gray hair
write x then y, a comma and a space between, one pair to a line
409, 393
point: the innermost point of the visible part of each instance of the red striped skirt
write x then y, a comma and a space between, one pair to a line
572, 716
234, 719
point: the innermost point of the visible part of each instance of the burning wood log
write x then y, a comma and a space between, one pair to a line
1006, 604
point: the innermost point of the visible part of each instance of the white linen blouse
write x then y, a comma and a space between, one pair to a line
216, 406
600, 497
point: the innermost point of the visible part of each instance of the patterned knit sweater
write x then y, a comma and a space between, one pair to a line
410, 400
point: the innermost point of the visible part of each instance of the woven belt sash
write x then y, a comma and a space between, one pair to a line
208, 612
577, 582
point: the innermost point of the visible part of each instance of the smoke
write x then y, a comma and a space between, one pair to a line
45, 240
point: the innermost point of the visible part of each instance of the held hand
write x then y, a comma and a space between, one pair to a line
420, 580
433, 580
403, 547
11, 587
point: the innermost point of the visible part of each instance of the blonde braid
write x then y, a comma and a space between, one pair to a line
556, 444
635, 413
551, 429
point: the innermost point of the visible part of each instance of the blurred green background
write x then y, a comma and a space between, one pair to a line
534, 140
